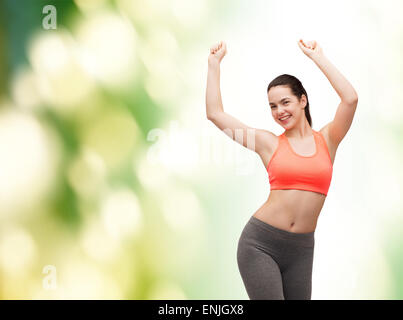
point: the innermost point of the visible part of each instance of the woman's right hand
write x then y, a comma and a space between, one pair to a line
217, 52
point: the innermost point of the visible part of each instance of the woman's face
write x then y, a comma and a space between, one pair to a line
284, 105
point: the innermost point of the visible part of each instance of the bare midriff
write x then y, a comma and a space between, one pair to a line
292, 210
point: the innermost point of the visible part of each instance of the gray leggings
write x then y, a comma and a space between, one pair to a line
275, 264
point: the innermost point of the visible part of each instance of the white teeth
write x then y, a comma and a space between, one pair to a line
285, 118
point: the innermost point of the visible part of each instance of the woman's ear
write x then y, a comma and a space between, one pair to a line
303, 100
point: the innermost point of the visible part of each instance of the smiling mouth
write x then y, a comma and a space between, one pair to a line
285, 118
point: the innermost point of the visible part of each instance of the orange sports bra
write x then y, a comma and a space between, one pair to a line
289, 170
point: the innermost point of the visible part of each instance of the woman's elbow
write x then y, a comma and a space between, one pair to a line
353, 100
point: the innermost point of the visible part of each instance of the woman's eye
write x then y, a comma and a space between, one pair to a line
286, 102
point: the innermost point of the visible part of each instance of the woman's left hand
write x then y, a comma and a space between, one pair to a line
310, 48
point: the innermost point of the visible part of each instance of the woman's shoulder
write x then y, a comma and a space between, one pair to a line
270, 138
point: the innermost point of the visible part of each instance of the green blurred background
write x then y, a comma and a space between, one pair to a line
114, 185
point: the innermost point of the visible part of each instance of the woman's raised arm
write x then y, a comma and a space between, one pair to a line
341, 123
254, 139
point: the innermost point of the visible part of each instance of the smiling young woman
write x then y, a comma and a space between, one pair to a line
275, 249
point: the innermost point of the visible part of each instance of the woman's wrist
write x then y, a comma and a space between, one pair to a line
317, 57
213, 62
